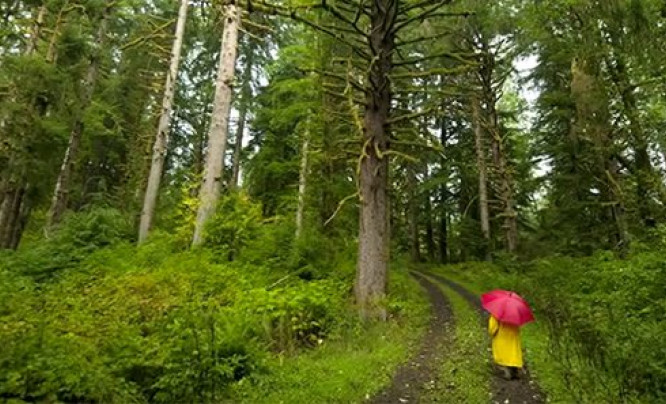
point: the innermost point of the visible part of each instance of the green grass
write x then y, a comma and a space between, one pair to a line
465, 372
348, 368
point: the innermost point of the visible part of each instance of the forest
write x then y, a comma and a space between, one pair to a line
270, 201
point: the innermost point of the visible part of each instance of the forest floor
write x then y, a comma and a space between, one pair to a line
427, 377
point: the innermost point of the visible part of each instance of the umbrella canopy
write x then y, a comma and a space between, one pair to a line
507, 307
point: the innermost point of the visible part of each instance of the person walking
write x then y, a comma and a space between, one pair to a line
506, 346
508, 312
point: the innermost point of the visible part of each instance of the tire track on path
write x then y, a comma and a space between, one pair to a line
419, 374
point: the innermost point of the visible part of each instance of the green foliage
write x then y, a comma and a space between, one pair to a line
353, 363
152, 324
75, 238
235, 223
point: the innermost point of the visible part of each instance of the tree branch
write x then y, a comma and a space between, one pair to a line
422, 15
411, 116
449, 55
433, 72
421, 39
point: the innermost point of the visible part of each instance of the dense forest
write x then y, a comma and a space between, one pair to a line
222, 201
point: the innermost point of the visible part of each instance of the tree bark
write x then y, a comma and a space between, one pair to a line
506, 182
443, 238
163, 128
217, 135
61, 191
430, 232
246, 95
413, 215
21, 222
480, 146
373, 252
302, 180
10, 213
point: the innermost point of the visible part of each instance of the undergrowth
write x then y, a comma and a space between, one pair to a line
88, 317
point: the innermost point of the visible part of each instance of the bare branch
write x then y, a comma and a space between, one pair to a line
455, 56
343, 96
341, 77
337, 14
422, 39
422, 15
341, 204
433, 72
413, 115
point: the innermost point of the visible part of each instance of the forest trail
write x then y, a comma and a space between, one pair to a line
521, 391
419, 374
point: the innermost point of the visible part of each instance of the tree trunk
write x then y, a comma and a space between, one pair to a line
480, 146
302, 180
648, 183
217, 135
373, 252
14, 189
506, 182
163, 128
6, 212
413, 215
22, 221
430, 232
443, 193
61, 191
592, 119
11, 211
246, 95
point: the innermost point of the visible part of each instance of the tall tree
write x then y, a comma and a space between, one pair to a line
217, 134
244, 105
480, 147
62, 186
163, 127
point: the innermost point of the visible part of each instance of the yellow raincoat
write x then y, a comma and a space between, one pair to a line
506, 343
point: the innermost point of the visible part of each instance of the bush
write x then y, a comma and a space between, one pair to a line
235, 223
79, 235
149, 324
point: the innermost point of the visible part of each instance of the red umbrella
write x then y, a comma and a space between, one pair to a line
507, 307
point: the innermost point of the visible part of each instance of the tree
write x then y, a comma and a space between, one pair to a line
480, 147
217, 134
62, 185
161, 139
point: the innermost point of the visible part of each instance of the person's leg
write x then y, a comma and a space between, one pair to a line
506, 372
514, 372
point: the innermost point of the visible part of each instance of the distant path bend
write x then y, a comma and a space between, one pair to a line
521, 391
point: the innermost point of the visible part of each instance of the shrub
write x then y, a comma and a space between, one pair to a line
75, 238
235, 223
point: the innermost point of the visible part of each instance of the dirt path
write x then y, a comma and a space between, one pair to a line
521, 391
418, 375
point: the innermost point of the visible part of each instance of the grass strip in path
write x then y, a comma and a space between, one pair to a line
464, 375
